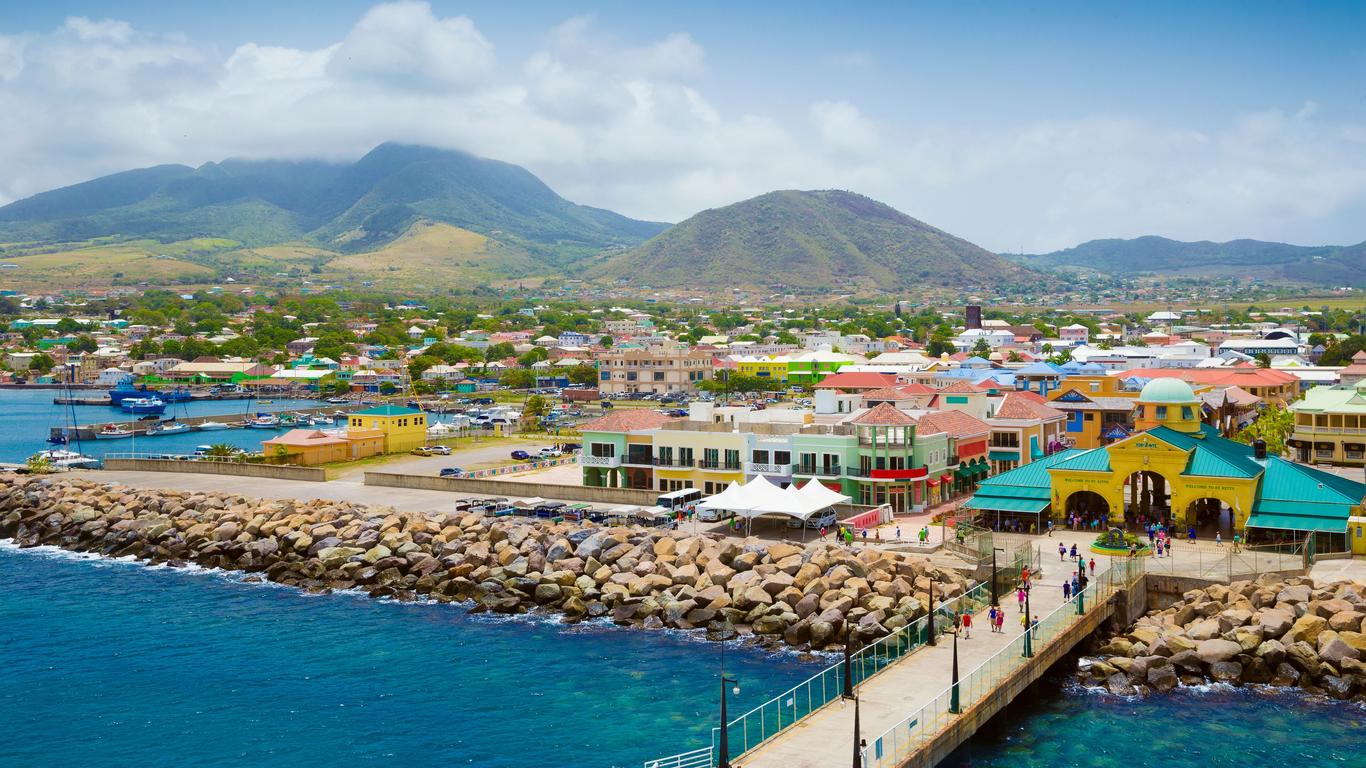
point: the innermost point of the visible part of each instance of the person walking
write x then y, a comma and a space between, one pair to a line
1000, 621
1073, 553
1019, 598
967, 625
1066, 591
1062, 551
1050, 527
991, 618
1093, 566
1218, 538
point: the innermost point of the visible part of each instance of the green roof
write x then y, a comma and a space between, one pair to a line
1034, 474
388, 410
1006, 504
1167, 390
1009, 454
1094, 460
1298, 523
1212, 455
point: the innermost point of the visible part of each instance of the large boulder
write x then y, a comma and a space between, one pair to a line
1226, 672
1162, 678
1217, 649
1306, 628
1298, 593
1272, 652
1336, 650
1275, 623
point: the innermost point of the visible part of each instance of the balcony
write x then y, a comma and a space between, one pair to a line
674, 463
1330, 430
783, 470
638, 460
820, 470
719, 466
611, 462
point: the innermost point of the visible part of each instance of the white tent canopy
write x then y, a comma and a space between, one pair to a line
759, 498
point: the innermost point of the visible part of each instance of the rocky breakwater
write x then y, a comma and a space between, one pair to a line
814, 597
1274, 631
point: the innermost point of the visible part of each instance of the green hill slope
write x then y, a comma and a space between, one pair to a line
1331, 265
348, 208
825, 239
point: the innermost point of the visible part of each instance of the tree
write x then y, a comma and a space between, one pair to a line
1263, 360
938, 347
583, 374
535, 355
1274, 425
222, 450
67, 325
387, 388
532, 410
500, 351
981, 348
82, 344
1014, 357
518, 378
605, 341
41, 363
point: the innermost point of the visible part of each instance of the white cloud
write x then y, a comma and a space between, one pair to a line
404, 44
629, 125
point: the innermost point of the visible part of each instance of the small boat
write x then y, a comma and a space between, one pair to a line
126, 389
113, 432
321, 420
265, 402
58, 437
210, 426
336, 400
340, 414
154, 405
168, 428
177, 395
64, 459
264, 421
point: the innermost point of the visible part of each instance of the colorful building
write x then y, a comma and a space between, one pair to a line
618, 449
1270, 384
769, 368
1099, 411
1183, 473
401, 429
809, 368
1330, 425
1023, 429
309, 447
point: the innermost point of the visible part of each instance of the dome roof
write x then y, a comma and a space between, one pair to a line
1167, 390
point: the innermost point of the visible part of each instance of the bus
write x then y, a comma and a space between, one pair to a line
678, 499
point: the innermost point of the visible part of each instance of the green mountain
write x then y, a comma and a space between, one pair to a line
1330, 265
346, 208
824, 239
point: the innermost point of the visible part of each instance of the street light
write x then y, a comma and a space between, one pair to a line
859, 743
1081, 585
930, 618
954, 704
848, 670
1029, 624
724, 746
995, 598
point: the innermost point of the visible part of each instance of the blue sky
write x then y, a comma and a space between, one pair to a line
1019, 126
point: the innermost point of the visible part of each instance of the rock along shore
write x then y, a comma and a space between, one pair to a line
809, 598
1276, 631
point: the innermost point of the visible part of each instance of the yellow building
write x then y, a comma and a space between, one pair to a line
707, 459
770, 368
403, 429
1182, 473
310, 447
1098, 410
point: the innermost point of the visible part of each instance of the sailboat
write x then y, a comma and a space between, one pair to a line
211, 426
168, 428
62, 458
113, 432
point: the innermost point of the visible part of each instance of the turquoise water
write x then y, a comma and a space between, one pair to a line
119, 665
29, 415
1057, 724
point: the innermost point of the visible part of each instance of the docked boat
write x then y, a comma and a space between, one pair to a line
152, 405
58, 436
264, 421
336, 400
113, 432
320, 420
168, 428
126, 389
211, 426
64, 459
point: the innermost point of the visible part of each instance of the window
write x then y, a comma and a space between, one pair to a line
685, 457
732, 459
1161, 413
710, 458
1186, 412
759, 457
782, 457
602, 450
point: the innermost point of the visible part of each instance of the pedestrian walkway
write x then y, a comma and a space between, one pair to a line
824, 738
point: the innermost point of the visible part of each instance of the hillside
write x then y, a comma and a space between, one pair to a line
344, 208
1329, 265
826, 239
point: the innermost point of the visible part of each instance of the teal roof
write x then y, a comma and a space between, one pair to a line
1094, 460
1297, 523
1295, 497
1167, 390
1006, 504
388, 410
1211, 454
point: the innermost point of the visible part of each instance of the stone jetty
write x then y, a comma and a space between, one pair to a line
1276, 631
811, 598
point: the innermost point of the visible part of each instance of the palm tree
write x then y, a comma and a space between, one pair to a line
221, 450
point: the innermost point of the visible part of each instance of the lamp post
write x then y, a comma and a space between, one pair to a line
1029, 625
1081, 581
724, 746
954, 704
930, 617
995, 597
859, 743
848, 670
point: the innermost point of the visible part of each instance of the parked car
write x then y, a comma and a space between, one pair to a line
440, 450
452, 472
549, 452
520, 455
421, 451
825, 520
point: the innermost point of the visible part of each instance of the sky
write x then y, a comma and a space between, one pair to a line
1020, 126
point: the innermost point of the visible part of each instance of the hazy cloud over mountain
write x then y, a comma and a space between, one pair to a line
639, 126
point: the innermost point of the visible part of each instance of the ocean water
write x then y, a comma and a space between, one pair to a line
1057, 723
29, 415
118, 665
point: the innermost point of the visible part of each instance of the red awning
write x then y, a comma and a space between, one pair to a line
932, 482
946, 478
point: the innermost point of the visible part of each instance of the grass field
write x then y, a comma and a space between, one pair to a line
103, 264
431, 252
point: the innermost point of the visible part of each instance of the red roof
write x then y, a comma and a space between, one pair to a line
1250, 376
857, 381
954, 423
1017, 405
626, 420
884, 415
304, 437
916, 388
887, 393
961, 387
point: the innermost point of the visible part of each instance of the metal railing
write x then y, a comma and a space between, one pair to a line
1227, 564
698, 758
895, 745
599, 461
756, 468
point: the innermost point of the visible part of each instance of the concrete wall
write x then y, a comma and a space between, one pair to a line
312, 474
513, 490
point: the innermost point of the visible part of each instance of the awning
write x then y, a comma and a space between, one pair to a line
946, 478
1298, 523
1011, 454
1354, 446
1006, 504
932, 482
983, 469
964, 473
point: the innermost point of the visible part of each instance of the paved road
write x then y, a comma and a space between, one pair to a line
488, 452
